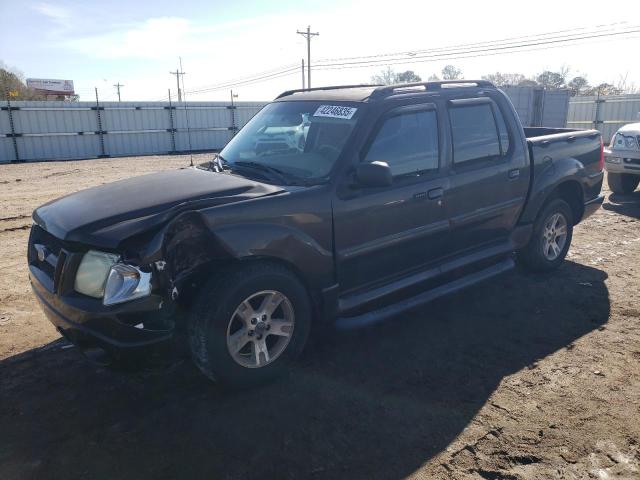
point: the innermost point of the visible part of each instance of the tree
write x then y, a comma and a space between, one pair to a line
449, 72
12, 81
603, 89
390, 77
552, 80
408, 77
578, 85
385, 77
504, 79
433, 78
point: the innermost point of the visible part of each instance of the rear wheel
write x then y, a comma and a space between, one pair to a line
551, 237
622, 183
248, 325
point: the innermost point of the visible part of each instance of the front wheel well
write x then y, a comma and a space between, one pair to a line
571, 192
192, 284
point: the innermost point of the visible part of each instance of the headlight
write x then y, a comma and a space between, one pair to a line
93, 271
126, 282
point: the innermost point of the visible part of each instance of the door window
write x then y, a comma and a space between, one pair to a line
475, 133
408, 143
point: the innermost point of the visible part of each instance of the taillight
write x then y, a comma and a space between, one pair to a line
601, 162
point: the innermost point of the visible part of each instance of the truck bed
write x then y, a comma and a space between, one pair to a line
563, 153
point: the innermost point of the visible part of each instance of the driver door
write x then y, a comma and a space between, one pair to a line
382, 233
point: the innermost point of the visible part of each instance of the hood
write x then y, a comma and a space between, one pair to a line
633, 128
104, 216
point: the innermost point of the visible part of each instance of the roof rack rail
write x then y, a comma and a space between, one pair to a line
387, 90
314, 89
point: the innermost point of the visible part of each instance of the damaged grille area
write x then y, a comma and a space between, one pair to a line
47, 253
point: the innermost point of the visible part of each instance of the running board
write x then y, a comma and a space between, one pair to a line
357, 321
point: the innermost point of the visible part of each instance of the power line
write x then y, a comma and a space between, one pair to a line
308, 34
245, 77
462, 56
510, 46
226, 85
592, 29
472, 50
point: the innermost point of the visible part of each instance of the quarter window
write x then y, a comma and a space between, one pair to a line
408, 142
474, 132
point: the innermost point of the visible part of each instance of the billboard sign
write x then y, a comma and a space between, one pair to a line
51, 86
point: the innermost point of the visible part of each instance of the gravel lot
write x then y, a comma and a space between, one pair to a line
523, 377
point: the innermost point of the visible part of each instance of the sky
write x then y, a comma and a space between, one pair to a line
137, 43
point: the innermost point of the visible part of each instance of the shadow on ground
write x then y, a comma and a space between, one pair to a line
628, 205
374, 403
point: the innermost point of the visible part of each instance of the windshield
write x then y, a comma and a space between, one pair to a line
299, 140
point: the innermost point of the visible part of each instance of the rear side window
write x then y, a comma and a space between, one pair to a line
474, 132
408, 142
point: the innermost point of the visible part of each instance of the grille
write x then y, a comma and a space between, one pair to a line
47, 253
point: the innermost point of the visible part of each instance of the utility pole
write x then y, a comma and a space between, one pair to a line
233, 95
177, 73
118, 85
303, 73
308, 36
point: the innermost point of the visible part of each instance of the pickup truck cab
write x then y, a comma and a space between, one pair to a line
389, 196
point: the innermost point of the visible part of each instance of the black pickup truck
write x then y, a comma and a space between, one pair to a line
344, 205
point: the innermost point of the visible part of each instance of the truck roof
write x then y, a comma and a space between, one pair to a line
373, 93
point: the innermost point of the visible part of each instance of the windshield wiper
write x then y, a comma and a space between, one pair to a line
273, 173
218, 163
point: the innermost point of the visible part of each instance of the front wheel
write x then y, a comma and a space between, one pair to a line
551, 237
622, 183
248, 325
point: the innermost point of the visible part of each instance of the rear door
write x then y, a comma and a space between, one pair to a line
382, 233
489, 176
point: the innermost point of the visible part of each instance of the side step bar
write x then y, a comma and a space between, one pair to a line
389, 311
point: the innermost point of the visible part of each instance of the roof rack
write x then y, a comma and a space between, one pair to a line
335, 87
387, 90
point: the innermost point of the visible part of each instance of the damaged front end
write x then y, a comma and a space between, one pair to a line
100, 300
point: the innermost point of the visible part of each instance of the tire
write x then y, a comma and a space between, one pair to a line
221, 311
622, 183
539, 255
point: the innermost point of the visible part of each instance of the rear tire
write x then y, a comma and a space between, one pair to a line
551, 238
249, 324
622, 183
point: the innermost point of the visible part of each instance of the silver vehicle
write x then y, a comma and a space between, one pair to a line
622, 159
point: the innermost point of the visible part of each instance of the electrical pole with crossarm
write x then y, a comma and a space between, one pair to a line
308, 36
177, 73
118, 85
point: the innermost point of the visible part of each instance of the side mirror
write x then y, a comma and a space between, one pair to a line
374, 174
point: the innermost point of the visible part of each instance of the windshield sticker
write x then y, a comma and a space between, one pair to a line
335, 111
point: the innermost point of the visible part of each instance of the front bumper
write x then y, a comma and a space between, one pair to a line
628, 161
118, 329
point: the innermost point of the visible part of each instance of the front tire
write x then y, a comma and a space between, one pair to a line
622, 183
551, 238
249, 324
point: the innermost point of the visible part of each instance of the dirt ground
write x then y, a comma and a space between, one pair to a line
523, 377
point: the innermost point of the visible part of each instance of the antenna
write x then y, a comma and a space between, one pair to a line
186, 113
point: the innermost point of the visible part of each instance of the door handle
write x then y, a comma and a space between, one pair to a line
513, 174
435, 193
